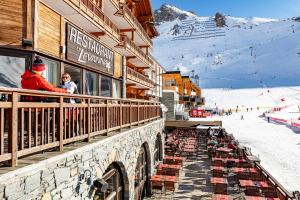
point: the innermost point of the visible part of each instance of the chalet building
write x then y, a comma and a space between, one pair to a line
179, 93
113, 133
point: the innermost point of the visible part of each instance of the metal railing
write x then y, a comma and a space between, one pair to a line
127, 11
34, 121
139, 77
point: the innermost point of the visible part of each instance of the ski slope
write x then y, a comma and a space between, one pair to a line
248, 53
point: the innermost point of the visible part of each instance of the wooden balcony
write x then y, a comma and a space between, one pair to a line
94, 11
144, 60
126, 12
139, 78
50, 122
88, 16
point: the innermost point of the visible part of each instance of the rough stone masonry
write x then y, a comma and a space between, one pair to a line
58, 177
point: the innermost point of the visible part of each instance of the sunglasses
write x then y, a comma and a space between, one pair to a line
65, 77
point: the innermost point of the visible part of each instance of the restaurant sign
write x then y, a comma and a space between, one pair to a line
86, 50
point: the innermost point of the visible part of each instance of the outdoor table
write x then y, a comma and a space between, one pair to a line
170, 181
244, 170
168, 166
224, 149
218, 161
251, 183
173, 160
189, 150
259, 198
217, 171
218, 180
189, 146
221, 197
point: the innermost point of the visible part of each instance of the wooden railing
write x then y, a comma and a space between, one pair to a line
136, 22
34, 121
96, 10
137, 50
136, 76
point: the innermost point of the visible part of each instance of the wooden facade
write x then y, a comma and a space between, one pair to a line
30, 28
189, 93
12, 20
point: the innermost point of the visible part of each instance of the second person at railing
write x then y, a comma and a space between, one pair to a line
33, 79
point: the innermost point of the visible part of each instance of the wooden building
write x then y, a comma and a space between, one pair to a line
105, 45
189, 93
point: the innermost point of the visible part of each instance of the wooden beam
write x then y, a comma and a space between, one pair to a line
130, 84
144, 18
127, 30
98, 34
130, 57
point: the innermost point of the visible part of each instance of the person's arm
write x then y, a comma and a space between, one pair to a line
45, 85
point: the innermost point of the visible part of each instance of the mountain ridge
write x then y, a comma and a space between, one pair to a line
246, 53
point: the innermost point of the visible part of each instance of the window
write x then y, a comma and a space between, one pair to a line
170, 83
91, 83
116, 89
76, 76
51, 72
106, 86
11, 69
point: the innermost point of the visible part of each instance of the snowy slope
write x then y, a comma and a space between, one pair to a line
222, 56
277, 145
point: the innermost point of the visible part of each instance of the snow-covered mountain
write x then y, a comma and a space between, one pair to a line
246, 53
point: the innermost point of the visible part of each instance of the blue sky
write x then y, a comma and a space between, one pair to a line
279, 9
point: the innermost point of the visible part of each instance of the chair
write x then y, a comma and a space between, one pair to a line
157, 185
243, 176
252, 191
269, 192
256, 177
169, 186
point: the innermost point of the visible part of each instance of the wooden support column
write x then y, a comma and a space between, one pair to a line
89, 120
121, 116
61, 124
13, 135
107, 117
130, 113
138, 112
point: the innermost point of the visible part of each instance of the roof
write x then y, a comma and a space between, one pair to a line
172, 72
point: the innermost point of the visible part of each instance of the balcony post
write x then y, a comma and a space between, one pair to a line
89, 120
13, 136
107, 117
121, 116
130, 114
61, 123
138, 112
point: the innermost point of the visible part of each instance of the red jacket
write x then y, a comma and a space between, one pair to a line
34, 81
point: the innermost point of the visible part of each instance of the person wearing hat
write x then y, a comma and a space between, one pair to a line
33, 79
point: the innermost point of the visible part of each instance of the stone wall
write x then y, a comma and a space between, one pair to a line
58, 177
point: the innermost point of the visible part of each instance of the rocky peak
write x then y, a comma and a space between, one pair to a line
170, 13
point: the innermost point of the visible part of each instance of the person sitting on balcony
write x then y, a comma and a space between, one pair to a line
33, 79
69, 85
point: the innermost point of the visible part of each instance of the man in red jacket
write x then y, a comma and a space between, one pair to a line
34, 80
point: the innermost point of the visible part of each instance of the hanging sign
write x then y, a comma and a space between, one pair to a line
85, 49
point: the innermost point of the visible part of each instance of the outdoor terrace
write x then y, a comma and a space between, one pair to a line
34, 121
209, 172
